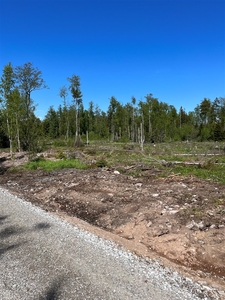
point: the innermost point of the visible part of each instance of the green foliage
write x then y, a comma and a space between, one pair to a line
21, 125
60, 155
51, 123
49, 165
101, 163
59, 143
215, 173
138, 121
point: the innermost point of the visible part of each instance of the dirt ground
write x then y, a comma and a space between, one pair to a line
180, 220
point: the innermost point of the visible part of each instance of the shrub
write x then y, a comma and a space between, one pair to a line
60, 155
101, 163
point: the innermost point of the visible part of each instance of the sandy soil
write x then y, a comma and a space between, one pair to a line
176, 219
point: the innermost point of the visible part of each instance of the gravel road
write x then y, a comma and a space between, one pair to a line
43, 257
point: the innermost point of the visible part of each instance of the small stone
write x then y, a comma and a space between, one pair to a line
172, 212
200, 225
149, 224
190, 226
210, 213
155, 195
139, 184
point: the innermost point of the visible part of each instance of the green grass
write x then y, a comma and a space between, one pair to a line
211, 172
49, 165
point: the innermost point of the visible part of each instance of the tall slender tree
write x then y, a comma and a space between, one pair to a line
77, 100
63, 94
133, 101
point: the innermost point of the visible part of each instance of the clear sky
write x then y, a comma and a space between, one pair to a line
174, 49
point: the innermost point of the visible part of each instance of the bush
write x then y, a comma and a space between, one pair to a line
101, 163
60, 155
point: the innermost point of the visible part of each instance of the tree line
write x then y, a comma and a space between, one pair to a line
138, 121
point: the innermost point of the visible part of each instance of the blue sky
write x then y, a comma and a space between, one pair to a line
174, 49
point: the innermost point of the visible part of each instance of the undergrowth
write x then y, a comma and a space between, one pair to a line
49, 165
209, 158
213, 172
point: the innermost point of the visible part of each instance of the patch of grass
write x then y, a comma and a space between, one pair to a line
14, 170
49, 165
172, 158
215, 173
219, 202
197, 212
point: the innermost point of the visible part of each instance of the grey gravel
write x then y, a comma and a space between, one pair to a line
43, 257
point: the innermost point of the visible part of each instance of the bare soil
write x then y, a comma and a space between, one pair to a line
175, 218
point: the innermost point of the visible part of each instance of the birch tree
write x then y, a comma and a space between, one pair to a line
29, 79
63, 94
77, 100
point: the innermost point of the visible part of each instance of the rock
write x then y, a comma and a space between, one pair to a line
190, 226
200, 225
172, 212
138, 185
149, 224
194, 225
210, 213
155, 195
116, 172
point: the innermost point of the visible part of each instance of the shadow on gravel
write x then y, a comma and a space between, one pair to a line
41, 226
2, 218
10, 230
15, 231
4, 248
53, 291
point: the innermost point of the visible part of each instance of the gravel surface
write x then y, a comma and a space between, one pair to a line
43, 257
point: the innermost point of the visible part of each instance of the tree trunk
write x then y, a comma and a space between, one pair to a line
141, 137
76, 133
87, 137
18, 134
10, 138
